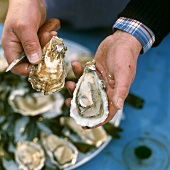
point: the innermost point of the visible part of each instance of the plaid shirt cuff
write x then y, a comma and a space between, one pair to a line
145, 35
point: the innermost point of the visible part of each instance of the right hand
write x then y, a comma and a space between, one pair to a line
116, 60
24, 18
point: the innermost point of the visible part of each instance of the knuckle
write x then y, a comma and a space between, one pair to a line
21, 25
29, 45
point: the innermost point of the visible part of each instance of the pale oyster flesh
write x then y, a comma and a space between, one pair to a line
96, 136
49, 75
61, 152
30, 104
29, 156
89, 106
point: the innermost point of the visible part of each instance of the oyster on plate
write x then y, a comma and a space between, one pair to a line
96, 136
62, 153
30, 104
89, 106
29, 156
49, 75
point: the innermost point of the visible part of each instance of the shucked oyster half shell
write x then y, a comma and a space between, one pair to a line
30, 104
62, 153
29, 156
89, 106
96, 136
49, 75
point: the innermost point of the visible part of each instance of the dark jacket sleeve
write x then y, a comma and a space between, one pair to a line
155, 14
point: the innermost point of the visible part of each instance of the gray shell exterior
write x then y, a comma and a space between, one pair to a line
49, 75
89, 106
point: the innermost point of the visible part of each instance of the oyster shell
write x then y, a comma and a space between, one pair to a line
62, 153
96, 136
29, 156
49, 75
30, 104
89, 106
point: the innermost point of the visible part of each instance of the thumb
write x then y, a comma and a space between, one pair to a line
31, 45
121, 90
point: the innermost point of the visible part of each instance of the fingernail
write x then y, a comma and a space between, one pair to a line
33, 58
120, 103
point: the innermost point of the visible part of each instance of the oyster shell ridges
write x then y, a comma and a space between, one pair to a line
89, 106
49, 75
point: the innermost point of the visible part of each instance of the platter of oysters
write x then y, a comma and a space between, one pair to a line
45, 133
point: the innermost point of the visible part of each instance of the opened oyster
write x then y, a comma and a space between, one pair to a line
89, 105
62, 153
96, 136
29, 156
49, 75
30, 104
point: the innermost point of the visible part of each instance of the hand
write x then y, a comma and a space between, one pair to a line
24, 18
116, 59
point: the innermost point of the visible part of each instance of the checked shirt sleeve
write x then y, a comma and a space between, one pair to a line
144, 35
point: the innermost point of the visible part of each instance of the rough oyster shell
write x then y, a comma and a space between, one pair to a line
89, 105
49, 75
62, 153
96, 136
29, 156
30, 104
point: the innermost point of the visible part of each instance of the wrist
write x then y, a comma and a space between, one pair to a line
130, 41
140, 31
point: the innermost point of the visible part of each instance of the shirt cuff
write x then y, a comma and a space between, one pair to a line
144, 34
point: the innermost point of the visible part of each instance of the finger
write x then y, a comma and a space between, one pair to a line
22, 68
31, 44
121, 90
77, 68
46, 37
70, 86
68, 102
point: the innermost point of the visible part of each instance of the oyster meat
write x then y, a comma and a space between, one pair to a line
49, 75
62, 153
96, 136
89, 106
30, 104
29, 156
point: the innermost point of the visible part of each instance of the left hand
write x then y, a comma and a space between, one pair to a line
116, 59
